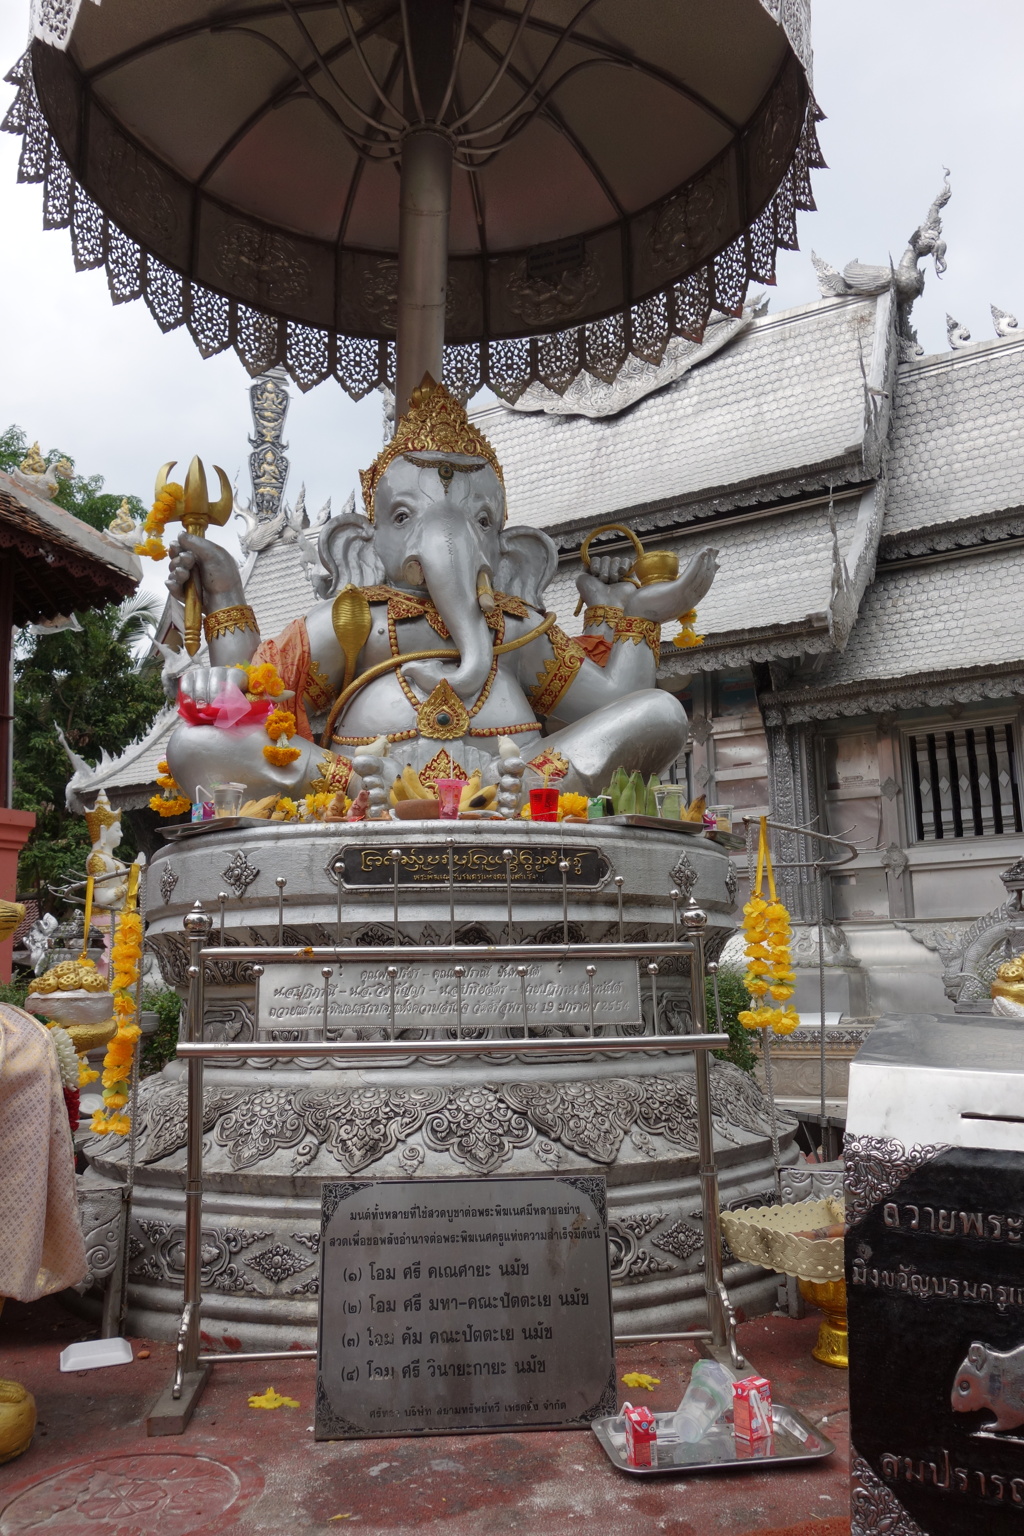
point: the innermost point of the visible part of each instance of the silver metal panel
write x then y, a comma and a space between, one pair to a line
451, 1305
552, 992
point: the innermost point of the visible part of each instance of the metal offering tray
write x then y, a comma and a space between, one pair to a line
794, 1439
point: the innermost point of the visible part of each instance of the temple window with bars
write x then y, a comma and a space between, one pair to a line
963, 781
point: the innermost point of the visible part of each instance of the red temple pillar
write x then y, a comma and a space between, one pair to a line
15, 827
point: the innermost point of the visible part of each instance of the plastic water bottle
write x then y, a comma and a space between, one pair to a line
708, 1396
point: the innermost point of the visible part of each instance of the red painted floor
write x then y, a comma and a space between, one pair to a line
91, 1471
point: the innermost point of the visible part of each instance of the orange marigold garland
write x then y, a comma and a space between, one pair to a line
125, 959
769, 963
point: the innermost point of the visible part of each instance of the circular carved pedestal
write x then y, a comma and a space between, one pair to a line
276, 1131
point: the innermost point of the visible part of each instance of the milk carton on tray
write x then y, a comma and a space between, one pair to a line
752, 1408
641, 1435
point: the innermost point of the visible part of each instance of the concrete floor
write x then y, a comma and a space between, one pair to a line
91, 1471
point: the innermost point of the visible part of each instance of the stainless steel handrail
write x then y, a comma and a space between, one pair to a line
195, 1052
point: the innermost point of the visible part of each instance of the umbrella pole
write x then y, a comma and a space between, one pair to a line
425, 205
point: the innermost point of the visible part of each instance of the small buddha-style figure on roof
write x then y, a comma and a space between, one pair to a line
41, 478
123, 526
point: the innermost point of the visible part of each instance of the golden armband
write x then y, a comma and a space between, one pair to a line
625, 626
226, 620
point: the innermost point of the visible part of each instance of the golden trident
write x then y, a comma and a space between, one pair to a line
196, 515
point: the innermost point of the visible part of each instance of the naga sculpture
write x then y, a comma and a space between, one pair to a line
431, 631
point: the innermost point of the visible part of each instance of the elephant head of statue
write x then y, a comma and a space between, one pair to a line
436, 524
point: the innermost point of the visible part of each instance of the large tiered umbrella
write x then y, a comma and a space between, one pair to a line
544, 185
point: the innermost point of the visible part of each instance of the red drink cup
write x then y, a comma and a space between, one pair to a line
449, 793
544, 804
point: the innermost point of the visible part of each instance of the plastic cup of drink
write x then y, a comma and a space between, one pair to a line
544, 804
449, 793
227, 799
708, 1396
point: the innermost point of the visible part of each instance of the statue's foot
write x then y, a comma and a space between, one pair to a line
644, 731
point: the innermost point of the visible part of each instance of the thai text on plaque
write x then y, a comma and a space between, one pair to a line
935, 1286
493, 995
449, 1305
427, 865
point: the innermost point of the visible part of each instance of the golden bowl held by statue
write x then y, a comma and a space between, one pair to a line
656, 565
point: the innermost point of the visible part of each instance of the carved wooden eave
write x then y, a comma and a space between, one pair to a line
61, 564
925, 690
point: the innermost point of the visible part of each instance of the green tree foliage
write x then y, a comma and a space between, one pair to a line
732, 997
90, 684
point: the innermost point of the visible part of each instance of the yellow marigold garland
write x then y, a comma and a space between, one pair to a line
125, 960
171, 802
280, 722
769, 963
165, 508
687, 637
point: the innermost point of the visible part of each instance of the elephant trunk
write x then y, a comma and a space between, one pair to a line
452, 561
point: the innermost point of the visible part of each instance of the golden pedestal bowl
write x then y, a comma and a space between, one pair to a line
780, 1237
833, 1342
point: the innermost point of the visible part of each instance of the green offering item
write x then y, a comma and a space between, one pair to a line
596, 808
650, 799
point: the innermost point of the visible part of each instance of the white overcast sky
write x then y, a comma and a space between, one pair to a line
908, 86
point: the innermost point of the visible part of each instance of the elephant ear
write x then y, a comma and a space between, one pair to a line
529, 559
346, 552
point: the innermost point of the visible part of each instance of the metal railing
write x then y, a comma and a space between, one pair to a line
172, 1412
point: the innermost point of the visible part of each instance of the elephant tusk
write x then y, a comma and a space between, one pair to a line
394, 662
485, 593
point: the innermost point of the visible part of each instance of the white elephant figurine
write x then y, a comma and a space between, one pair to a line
431, 630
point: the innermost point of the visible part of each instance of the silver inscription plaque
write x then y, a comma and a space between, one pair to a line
449, 1305
489, 995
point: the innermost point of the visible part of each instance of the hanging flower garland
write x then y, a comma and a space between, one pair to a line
164, 510
69, 1064
769, 963
266, 683
126, 959
687, 637
171, 802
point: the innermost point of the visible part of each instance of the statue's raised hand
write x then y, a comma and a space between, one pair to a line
665, 600
603, 583
219, 576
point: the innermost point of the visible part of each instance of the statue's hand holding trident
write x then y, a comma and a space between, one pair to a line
196, 514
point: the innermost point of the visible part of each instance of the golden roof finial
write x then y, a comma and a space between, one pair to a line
33, 463
435, 423
101, 815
